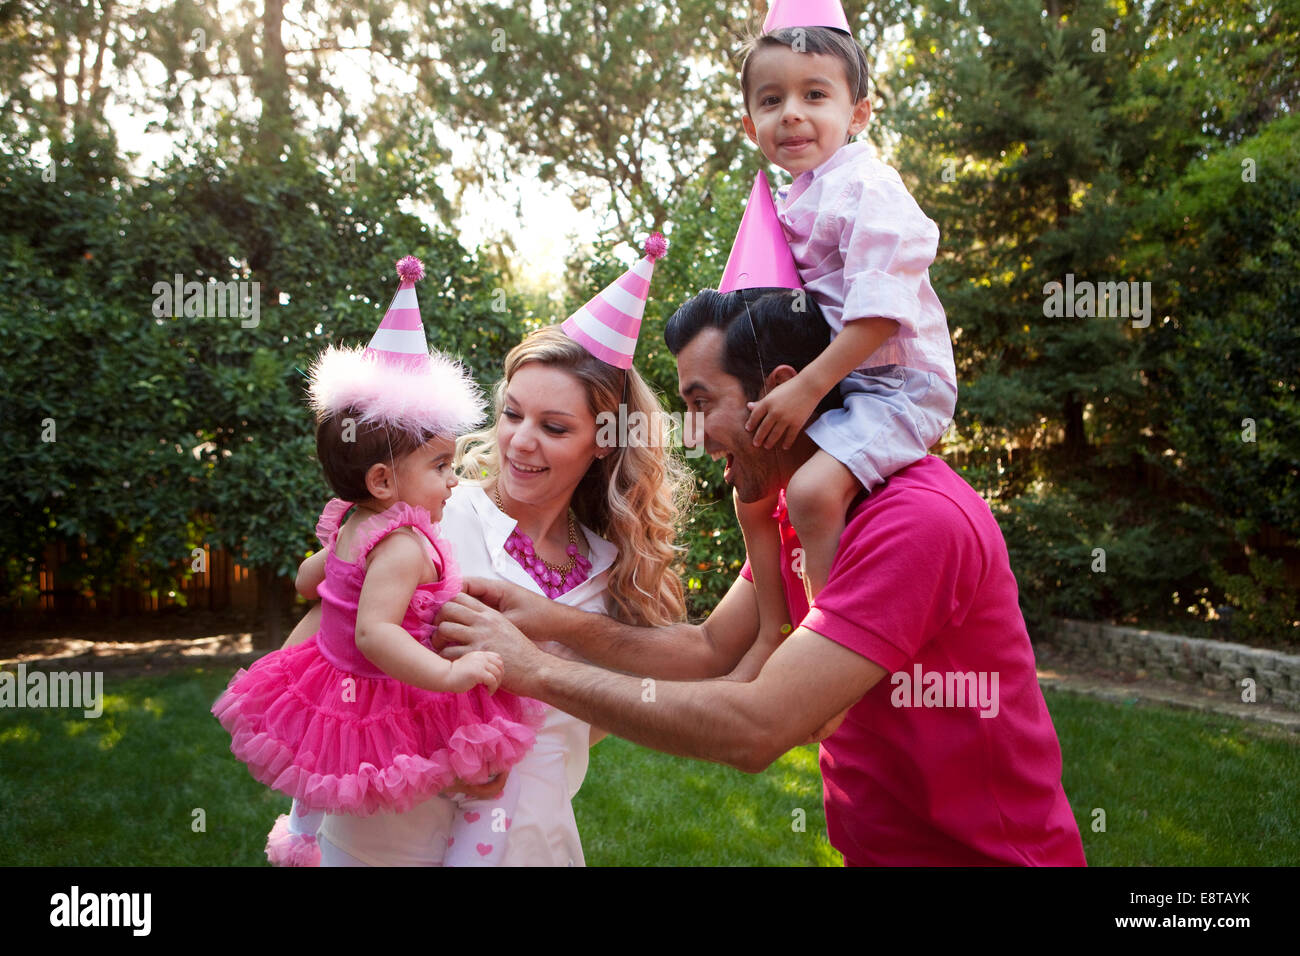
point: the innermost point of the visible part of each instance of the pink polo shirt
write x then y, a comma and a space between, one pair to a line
951, 759
864, 248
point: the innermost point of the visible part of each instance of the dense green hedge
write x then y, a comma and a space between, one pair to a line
146, 433
173, 433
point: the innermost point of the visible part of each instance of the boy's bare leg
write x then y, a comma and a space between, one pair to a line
763, 548
818, 499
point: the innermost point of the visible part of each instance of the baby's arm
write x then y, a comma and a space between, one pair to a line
310, 575
779, 416
394, 569
308, 626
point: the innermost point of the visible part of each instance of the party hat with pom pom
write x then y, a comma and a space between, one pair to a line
782, 14
400, 336
609, 324
760, 257
396, 380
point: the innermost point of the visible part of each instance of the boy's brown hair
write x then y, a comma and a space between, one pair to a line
821, 40
347, 448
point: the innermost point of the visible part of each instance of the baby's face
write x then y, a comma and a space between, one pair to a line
425, 477
800, 109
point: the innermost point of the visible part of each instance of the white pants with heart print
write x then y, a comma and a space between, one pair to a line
480, 828
543, 831
477, 831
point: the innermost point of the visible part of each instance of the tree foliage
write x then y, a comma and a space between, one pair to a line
1104, 142
1096, 140
177, 430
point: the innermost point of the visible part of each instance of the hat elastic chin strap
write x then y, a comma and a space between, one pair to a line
762, 368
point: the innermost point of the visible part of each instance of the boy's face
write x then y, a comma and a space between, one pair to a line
800, 109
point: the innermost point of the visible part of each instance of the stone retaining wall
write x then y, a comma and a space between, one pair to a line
1216, 664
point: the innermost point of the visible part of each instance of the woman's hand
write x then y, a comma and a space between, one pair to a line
308, 626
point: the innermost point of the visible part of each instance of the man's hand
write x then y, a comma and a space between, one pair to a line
470, 625
519, 605
779, 416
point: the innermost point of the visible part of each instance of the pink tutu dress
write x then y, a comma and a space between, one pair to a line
322, 724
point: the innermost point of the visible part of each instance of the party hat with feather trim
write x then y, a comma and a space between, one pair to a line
609, 324
397, 380
783, 14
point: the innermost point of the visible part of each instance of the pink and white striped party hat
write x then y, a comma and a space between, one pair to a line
400, 336
609, 324
782, 14
396, 380
760, 257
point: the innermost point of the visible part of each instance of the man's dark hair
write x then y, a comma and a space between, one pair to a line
821, 40
763, 328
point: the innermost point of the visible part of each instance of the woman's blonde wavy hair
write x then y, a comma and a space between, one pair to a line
634, 497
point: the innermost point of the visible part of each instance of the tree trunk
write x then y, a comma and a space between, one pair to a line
1076, 442
273, 83
270, 591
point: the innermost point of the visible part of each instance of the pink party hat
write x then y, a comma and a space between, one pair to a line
396, 380
760, 257
400, 340
782, 14
609, 324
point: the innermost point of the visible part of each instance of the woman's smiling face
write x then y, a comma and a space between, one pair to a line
546, 435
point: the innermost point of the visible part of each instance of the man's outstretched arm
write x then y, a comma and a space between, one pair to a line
673, 652
746, 725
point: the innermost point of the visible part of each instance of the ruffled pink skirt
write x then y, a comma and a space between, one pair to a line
348, 744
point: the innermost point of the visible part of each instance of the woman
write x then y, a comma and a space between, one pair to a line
536, 464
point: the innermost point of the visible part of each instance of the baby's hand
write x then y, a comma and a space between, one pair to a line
779, 416
478, 667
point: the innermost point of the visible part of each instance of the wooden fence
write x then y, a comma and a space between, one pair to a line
225, 585
228, 585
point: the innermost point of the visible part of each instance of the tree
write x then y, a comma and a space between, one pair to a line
618, 97
1044, 139
177, 427
1222, 240
100, 456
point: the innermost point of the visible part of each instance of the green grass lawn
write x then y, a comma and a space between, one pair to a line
123, 790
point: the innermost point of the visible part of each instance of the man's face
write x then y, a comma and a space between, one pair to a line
717, 408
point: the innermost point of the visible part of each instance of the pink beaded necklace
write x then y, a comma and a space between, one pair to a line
553, 580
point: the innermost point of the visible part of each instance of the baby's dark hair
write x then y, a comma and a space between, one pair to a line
348, 447
822, 40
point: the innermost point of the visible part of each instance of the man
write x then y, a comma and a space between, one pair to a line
952, 760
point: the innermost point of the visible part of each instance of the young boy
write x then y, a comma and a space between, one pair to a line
863, 248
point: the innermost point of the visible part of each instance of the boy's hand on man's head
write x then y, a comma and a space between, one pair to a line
779, 416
